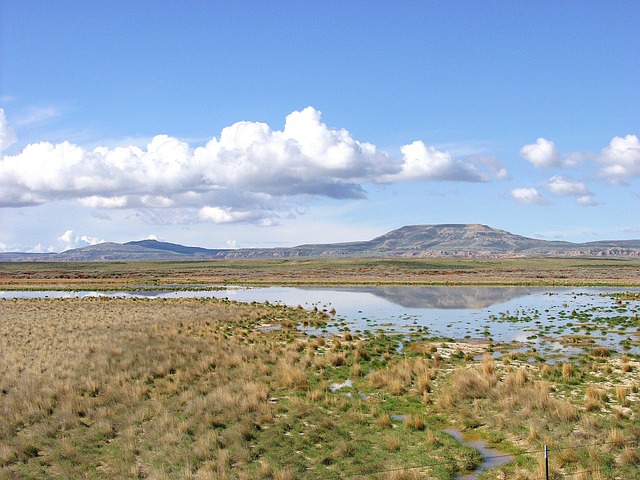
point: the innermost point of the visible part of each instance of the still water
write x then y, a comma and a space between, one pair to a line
534, 316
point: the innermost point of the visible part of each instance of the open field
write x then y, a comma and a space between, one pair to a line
193, 388
324, 271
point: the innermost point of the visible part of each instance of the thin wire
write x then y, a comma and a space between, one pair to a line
614, 469
492, 457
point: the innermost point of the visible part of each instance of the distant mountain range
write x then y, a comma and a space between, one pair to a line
451, 240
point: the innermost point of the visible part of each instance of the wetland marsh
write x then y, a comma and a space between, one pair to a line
361, 384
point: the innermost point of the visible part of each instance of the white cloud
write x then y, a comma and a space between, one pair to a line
66, 237
621, 158
586, 201
85, 239
70, 240
528, 196
421, 162
544, 153
566, 187
220, 215
250, 174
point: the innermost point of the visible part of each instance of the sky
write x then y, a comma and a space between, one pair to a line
234, 124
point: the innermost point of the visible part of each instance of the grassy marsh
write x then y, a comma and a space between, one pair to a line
202, 388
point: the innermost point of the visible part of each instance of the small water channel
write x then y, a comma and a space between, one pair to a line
491, 458
535, 318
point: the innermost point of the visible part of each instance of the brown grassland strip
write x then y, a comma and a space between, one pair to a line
209, 389
322, 271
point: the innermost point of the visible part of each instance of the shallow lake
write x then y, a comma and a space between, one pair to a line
536, 317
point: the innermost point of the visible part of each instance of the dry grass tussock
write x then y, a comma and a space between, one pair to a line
476, 382
405, 374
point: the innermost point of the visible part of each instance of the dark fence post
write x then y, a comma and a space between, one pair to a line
546, 462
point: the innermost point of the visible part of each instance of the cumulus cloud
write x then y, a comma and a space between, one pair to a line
529, 196
421, 162
544, 154
70, 240
566, 187
621, 159
251, 173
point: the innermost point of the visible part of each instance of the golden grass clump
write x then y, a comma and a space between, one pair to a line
391, 443
446, 400
594, 398
621, 396
567, 370
629, 456
617, 438
475, 382
384, 421
515, 380
335, 359
398, 376
291, 375
414, 422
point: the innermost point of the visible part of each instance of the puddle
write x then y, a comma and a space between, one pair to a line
398, 418
492, 458
337, 386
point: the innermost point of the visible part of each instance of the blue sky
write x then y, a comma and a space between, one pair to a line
273, 123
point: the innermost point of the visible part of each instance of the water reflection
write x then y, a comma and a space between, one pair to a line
443, 297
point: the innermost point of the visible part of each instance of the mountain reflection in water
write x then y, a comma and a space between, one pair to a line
442, 297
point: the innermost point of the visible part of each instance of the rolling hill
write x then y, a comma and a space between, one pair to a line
448, 240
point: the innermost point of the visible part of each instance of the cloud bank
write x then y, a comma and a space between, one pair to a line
251, 173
